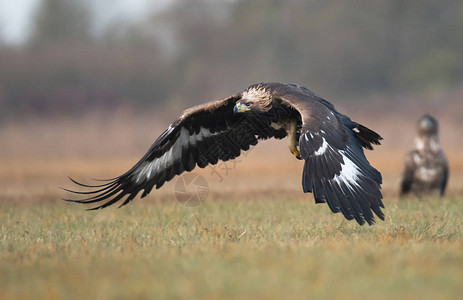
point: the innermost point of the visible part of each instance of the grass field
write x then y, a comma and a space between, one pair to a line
260, 248
257, 236
268, 241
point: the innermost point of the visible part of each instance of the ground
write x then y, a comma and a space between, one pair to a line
256, 235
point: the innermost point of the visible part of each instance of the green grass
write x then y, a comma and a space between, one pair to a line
261, 248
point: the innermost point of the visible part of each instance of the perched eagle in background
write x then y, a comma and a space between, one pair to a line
335, 170
425, 167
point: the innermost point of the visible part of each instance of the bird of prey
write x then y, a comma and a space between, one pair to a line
425, 169
330, 143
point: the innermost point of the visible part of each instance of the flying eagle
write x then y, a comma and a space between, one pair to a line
425, 167
335, 170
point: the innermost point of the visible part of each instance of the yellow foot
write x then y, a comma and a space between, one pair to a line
296, 153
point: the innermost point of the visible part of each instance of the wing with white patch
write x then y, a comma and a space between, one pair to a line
336, 169
341, 176
202, 135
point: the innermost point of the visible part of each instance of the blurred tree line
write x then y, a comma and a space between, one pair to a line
198, 50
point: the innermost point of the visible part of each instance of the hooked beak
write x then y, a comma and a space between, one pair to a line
240, 108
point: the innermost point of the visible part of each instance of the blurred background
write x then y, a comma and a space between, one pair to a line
98, 81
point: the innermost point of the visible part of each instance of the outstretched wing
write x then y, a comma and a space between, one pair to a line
335, 168
203, 135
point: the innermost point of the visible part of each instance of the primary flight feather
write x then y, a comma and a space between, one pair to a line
335, 169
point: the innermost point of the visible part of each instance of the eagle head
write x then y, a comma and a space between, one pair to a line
427, 125
254, 99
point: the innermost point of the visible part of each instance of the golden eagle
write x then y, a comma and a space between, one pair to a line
335, 170
425, 167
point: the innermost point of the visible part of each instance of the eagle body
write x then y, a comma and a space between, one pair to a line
425, 170
335, 168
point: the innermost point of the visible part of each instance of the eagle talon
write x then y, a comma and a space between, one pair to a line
296, 153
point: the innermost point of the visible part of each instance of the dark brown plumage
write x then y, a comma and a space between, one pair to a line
330, 143
425, 170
